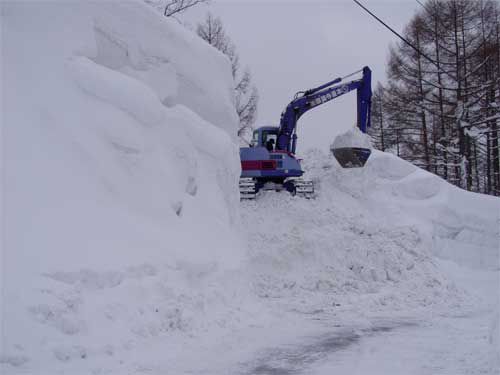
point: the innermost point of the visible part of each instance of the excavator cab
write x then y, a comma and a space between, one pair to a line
264, 135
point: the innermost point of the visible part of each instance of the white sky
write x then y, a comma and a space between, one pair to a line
295, 45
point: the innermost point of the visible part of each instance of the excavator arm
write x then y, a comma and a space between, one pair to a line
305, 101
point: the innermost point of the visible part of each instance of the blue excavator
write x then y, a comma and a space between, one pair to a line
269, 163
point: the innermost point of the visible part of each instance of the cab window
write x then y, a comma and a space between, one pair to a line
269, 140
255, 139
268, 135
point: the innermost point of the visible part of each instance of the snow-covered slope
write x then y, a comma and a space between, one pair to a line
388, 241
371, 235
120, 166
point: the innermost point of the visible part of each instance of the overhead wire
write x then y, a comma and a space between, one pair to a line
403, 38
353, 73
341, 79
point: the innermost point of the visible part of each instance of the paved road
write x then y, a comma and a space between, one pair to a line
300, 359
454, 343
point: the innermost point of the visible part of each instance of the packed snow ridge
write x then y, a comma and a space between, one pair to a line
126, 248
119, 174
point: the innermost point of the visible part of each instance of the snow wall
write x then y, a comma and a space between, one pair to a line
120, 167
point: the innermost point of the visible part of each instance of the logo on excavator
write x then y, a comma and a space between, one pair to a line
329, 96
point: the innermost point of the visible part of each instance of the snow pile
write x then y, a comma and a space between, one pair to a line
463, 226
367, 244
385, 243
120, 175
352, 138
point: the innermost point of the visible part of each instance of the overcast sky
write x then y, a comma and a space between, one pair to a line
295, 45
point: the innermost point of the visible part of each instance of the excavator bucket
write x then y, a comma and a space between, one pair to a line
351, 157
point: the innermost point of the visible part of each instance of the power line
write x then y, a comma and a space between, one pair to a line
397, 34
423, 6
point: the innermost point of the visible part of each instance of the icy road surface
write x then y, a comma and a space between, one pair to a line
451, 344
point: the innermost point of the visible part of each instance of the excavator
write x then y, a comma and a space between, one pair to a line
269, 163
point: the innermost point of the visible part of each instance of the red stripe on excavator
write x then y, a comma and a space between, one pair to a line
258, 164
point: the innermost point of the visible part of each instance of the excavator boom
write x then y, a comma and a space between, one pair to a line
287, 138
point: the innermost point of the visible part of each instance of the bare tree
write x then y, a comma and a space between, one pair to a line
212, 31
245, 94
174, 7
178, 6
246, 100
445, 116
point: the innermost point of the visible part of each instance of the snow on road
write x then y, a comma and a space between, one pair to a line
399, 268
452, 343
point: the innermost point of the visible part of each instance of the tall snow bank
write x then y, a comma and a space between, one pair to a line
368, 243
464, 226
120, 175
